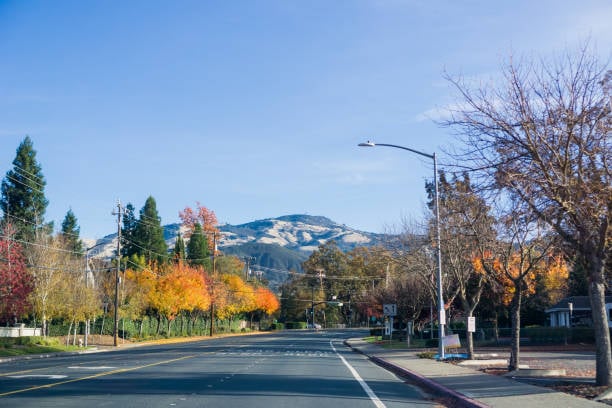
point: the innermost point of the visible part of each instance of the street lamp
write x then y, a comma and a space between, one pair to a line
441, 312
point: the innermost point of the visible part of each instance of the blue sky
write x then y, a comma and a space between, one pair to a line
254, 108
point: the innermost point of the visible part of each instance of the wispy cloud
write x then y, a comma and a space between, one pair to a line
434, 114
353, 172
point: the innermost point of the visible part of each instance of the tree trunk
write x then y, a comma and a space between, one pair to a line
76, 325
158, 325
515, 311
603, 362
86, 333
68, 336
470, 340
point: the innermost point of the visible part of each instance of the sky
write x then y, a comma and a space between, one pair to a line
255, 108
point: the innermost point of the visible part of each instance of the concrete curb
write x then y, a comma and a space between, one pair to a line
461, 399
48, 355
105, 349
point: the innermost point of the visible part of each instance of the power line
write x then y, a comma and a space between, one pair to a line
38, 225
40, 245
34, 178
24, 184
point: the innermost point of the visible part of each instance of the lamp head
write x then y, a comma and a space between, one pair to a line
367, 144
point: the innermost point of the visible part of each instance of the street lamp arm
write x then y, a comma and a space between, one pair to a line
441, 311
372, 144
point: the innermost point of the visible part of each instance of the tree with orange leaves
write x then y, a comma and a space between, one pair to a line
266, 301
178, 288
521, 255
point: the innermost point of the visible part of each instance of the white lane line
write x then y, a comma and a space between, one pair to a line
50, 377
375, 400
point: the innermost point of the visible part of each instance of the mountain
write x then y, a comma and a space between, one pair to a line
298, 232
277, 244
272, 261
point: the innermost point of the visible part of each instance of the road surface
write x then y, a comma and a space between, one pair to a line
286, 369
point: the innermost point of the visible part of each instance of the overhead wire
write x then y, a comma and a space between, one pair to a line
35, 178
28, 176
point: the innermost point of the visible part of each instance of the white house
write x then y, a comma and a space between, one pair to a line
575, 311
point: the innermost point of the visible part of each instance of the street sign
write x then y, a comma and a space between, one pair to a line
390, 309
471, 324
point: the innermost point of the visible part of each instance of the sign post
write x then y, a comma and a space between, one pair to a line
390, 311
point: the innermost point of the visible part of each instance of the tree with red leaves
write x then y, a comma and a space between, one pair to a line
201, 215
15, 281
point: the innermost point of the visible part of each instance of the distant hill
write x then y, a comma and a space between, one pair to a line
272, 261
300, 232
277, 244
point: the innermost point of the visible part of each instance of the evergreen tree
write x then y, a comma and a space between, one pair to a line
127, 232
22, 198
149, 234
197, 248
179, 248
70, 234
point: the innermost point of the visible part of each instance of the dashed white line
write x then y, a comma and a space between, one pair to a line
50, 376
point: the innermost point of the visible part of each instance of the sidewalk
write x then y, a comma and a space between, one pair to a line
469, 387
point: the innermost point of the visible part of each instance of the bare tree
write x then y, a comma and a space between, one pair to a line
521, 253
466, 232
404, 289
410, 251
543, 134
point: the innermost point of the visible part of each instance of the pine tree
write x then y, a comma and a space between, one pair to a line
197, 248
149, 234
23, 201
128, 247
70, 234
179, 248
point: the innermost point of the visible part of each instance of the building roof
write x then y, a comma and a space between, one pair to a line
578, 303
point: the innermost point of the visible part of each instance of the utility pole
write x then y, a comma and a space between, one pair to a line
247, 260
116, 326
87, 287
212, 300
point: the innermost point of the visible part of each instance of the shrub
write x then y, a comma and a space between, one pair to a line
426, 354
295, 325
277, 326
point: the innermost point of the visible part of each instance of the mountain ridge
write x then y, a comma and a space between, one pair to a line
281, 243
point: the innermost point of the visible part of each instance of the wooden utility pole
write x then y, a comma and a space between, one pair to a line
212, 298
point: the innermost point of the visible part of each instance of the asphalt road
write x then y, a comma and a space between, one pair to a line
287, 369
